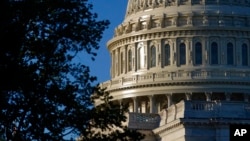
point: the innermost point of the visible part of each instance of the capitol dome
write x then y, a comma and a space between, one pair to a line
182, 65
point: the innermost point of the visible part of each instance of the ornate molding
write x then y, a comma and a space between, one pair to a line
220, 77
146, 35
135, 6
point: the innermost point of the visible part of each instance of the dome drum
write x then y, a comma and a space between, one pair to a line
138, 6
176, 61
182, 53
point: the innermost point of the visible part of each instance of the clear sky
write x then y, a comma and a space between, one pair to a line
114, 11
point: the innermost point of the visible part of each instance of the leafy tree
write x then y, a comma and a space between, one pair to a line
108, 122
44, 94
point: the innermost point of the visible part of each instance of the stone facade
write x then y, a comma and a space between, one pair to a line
183, 67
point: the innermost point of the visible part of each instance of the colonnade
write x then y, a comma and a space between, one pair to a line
156, 103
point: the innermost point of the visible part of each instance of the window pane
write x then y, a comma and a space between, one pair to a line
153, 57
230, 54
198, 53
167, 55
182, 54
244, 55
214, 53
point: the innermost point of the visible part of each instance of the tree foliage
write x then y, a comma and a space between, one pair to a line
109, 121
44, 94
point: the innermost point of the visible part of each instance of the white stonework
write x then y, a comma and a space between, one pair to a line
183, 67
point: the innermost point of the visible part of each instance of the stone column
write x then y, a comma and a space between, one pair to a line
126, 60
135, 104
228, 96
208, 96
116, 62
120, 103
173, 53
189, 52
169, 97
121, 61
238, 52
151, 104
206, 54
134, 57
188, 96
158, 54
113, 64
145, 55
246, 96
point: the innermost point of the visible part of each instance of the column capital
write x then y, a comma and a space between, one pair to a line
151, 96
169, 94
134, 98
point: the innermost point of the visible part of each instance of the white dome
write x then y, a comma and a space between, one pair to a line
166, 51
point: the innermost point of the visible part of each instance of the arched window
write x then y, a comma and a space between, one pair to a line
182, 53
166, 55
152, 56
121, 59
244, 54
140, 58
129, 60
198, 53
214, 53
230, 54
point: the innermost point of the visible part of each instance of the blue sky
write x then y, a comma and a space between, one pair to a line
114, 11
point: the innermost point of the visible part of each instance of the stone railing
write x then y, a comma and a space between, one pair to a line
212, 110
143, 121
169, 77
190, 109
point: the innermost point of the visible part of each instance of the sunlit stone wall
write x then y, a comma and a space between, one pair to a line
166, 51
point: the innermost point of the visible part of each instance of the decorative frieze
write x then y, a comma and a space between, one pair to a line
135, 6
180, 20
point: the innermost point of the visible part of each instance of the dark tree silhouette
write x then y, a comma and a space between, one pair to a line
44, 94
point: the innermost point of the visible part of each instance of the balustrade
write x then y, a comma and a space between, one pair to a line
143, 121
214, 109
183, 75
190, 109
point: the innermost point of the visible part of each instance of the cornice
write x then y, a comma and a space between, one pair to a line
206, 76
175, 32
180, 83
